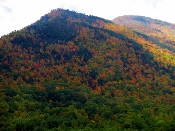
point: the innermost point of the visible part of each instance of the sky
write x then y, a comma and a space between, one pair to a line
16, 14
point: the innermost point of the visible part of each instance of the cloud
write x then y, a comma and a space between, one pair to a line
153, 3
2, 1
4, 7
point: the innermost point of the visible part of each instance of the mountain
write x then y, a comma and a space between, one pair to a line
160, 32
70, 71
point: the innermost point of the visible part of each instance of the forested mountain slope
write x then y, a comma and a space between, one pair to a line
157, 31
70, 71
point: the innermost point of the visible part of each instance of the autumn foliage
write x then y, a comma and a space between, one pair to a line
70, 71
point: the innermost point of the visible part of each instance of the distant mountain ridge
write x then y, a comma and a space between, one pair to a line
161, 31
133, 19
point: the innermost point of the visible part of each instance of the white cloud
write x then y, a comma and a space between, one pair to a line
153, 3
16, 14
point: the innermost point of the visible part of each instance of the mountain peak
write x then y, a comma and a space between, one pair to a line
141, 19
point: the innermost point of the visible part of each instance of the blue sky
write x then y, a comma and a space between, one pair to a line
16, 14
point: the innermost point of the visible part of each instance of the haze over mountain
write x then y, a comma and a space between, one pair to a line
70, 71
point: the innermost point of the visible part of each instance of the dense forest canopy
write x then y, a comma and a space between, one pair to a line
70, 71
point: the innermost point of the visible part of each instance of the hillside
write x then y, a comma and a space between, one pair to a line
160, 32
70, 71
